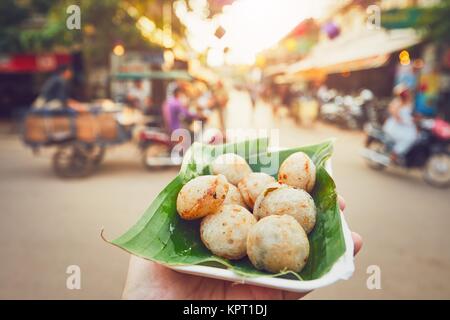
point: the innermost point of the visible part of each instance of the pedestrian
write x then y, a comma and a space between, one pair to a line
221, 100
253, 93
138, 96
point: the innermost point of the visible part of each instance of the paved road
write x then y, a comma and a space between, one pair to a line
47, 224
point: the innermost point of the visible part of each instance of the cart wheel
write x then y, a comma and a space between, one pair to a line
70, 161
96, 154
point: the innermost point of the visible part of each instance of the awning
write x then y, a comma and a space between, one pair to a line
162, 75
275, 69
401, 18
299, 77
358, 51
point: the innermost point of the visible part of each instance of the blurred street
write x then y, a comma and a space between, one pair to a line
49, 223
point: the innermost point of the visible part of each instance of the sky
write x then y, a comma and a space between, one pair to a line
250, 26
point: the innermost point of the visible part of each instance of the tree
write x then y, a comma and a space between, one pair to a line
39, 26
24, 27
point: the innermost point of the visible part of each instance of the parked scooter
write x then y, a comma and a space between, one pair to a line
377, 111
156, 145
347, 112
430, 153
159, 149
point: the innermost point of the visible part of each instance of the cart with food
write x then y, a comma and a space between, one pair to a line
79, 138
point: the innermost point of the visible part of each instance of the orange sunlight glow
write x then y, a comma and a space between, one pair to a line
250, 27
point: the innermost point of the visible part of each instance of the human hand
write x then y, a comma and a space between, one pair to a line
148, 280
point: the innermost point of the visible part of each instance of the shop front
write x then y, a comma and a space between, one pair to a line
21, 76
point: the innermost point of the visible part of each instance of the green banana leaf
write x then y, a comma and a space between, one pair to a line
161, 236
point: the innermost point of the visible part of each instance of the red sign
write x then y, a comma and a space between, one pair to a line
25, 63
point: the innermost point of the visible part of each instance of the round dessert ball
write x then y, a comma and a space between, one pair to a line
232, 166
201, 196
225, 232
278, 243
234, 196
287, 200
298, 171
252, 185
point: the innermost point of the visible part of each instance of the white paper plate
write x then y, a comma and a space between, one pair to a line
341, 270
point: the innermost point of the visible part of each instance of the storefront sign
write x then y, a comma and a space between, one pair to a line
136, 61
400, 18
26, 63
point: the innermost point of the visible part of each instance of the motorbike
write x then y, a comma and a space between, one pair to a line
160, 149
156, 146
347, 112
430, 152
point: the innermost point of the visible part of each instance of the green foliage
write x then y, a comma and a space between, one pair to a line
435, 21
32, 26
36, 26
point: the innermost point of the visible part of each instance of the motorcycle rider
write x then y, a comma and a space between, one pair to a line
400, 126
174, 108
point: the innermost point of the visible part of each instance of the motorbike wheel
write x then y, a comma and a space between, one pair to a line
437, 170
376, 146
154, 151
70, 161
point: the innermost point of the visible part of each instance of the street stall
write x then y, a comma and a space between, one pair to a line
363, 50
21, 76
352, 64
80, 138
151, 132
